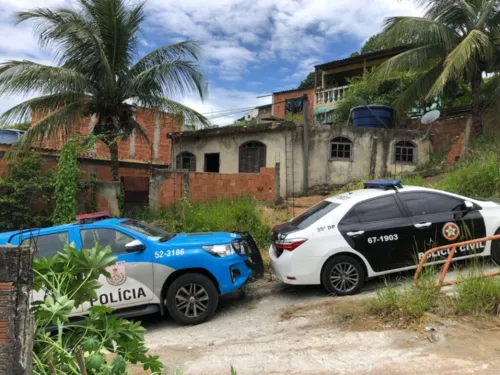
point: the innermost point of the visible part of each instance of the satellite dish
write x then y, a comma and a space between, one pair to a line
430, 117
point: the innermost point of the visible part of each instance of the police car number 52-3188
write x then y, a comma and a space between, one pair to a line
386, 238
168, 253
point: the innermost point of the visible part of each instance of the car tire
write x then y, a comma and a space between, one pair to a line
192, 299
495, 249
343, 275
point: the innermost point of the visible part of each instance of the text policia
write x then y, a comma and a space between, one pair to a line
118, 296
463, 250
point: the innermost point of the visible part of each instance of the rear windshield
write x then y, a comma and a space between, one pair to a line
313, 214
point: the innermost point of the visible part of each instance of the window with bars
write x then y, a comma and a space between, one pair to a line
405, 152
186, 160
252, 157
340, 148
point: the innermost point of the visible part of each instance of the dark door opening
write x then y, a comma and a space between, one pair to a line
136, 192
212, 162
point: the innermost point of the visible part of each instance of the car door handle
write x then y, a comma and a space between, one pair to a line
358, 233
423, 225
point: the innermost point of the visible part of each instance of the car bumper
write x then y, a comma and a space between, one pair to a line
295, 270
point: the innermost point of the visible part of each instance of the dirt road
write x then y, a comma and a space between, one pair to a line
251, 336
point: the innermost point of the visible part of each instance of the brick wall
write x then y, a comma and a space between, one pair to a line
156, 127
279, 98
204, 186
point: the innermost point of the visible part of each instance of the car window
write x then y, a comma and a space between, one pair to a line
47, 245
383, 208
105, 237
151, 232
313, 214
430, 203
351, 217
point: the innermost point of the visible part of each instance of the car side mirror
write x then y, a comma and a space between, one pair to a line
134, 246
469, 206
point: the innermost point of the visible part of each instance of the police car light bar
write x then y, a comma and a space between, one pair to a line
85, 218
383, 184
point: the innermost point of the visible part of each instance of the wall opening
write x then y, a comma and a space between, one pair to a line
212, 162
252, 157
136, 192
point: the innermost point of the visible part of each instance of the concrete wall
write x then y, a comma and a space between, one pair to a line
228, 147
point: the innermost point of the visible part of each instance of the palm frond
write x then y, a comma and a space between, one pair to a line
417, 90
20, 77
476, 46
419, 31
24, 111
170, 107
416, 59
172, 78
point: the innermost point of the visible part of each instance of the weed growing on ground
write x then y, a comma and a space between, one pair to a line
224, 214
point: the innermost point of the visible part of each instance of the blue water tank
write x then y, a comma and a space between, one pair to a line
10, 136
372, 116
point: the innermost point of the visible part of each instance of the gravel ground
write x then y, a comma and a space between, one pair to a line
250, 335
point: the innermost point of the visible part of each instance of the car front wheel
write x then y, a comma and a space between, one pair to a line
192, 299
343, 275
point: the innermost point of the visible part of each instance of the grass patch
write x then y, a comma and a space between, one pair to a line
221, 215
478, 296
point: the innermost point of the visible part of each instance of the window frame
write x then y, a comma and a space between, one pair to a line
192, 162
344, 143
414, 147
262, 154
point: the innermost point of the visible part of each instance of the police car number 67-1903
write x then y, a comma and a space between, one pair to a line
383, 228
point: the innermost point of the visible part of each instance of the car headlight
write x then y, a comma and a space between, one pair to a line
219, 250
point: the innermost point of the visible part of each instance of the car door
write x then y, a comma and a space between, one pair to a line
440, 219
380, 230
131, 280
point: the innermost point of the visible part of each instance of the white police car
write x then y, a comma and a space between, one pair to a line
381, 229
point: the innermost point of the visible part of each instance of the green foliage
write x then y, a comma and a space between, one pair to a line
308, 83
478, 296
108, 83
295, 118
376, 42
67, 180
19, 126
88, 189
365, 90
245, 122
225, 214
68, 280
25, 195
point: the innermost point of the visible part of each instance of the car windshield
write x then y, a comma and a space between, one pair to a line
313, 214
151, 232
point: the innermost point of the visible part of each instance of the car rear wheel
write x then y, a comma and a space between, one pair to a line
192, 299
343, 275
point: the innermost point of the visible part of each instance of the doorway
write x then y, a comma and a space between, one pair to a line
212, 162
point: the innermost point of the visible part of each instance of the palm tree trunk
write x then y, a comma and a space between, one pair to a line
115, 165
477, 122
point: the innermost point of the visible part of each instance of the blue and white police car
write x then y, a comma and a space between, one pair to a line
155, 270
381, 229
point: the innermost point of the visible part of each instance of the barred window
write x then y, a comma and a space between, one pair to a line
340, 148
405, 152
186, 160
252, 157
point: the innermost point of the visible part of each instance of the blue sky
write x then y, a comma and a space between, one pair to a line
250, 47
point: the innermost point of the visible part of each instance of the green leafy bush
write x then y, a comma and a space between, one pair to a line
25, 194
100, 345
225, 214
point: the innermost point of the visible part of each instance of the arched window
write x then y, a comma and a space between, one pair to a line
405, 152
186, 160
340, 148
252, 157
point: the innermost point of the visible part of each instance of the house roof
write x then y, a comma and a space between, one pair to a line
292, 90
361, 58
234, 129
264, 106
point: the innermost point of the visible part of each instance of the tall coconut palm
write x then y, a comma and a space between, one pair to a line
455, 41
98, 73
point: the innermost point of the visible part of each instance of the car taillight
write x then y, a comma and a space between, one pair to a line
289, 245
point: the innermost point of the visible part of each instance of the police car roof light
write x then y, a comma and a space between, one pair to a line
383, 184
94, 216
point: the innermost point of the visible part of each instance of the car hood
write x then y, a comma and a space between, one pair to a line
202, 239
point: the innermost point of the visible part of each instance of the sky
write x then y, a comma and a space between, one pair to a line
250, 47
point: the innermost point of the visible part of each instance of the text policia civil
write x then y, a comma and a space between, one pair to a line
461, 250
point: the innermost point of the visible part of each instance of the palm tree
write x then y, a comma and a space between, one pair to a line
455, 41
98, 74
